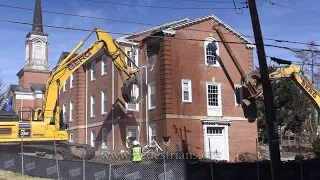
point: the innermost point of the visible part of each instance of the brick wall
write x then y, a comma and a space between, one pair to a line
176, 60
28, 78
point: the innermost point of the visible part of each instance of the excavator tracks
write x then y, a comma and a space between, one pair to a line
61, 151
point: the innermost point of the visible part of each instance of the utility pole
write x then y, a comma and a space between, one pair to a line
272, 124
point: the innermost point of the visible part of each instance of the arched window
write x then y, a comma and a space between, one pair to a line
211, 52
38, 50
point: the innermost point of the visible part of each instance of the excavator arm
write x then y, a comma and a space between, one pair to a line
293, 72
67, 66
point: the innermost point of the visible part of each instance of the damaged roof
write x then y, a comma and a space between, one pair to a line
148, 30
185, 22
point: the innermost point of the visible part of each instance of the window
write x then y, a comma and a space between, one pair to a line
93, 138
71, 137
104, 138
71, 111
186, 90
133, 56
93, 105
152, 133
134, 94
93, 70
214, 105
104, 65
238, 94
135, 89
152, 95
71, 81
132, 133
64, 111
65, 87
211, 52
103, 102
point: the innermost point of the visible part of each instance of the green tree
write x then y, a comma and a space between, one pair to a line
293, 107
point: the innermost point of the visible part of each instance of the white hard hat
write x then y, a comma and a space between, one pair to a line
135, 142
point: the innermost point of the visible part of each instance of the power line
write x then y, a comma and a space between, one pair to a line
139, 23
120, 33
208, 1
157, 7
75, 15
276, 4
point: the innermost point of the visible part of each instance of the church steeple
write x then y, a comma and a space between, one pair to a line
37, 18
37, 43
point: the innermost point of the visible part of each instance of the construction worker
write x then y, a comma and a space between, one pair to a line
136, 150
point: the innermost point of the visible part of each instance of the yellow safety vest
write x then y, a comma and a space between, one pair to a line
136, 153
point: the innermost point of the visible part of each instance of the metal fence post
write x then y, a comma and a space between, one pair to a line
83, 168
57, 163
22, 163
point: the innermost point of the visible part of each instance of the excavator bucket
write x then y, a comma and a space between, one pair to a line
254, 78
127, 87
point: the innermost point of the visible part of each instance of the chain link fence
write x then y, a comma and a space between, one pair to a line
159, 161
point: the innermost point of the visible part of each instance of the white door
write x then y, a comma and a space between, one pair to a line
215, 143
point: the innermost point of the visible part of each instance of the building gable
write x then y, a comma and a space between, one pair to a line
169, 28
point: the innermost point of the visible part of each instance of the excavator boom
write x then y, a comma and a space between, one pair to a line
67, 66
46, 125
296, 74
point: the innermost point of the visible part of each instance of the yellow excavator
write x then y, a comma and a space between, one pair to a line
286, 71
46, 126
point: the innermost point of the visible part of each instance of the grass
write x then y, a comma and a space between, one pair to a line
8, 175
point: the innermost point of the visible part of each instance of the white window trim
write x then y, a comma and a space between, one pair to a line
71, 80
241, 95
137, 104
149, 94
226, 137
136, 60
104, 135
64, 86
70, 137
64, 111
217, 111
93, 63
189, 89
104, 64
71, 105
103, 96
137, 134
206, 42
91, 103
150, 131
92, 140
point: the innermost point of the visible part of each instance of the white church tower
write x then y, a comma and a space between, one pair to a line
37, 43
35, 70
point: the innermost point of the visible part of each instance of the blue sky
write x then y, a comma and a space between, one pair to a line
276, 22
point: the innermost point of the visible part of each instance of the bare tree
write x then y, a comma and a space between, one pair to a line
3, 92
310, 64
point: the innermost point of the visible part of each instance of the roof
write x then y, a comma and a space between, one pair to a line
19, 88
214, 18
161, 26
37, 87
185, 22
22, 70
64, 55
33, 88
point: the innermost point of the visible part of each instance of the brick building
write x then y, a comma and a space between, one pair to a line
28, 93
194, 92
